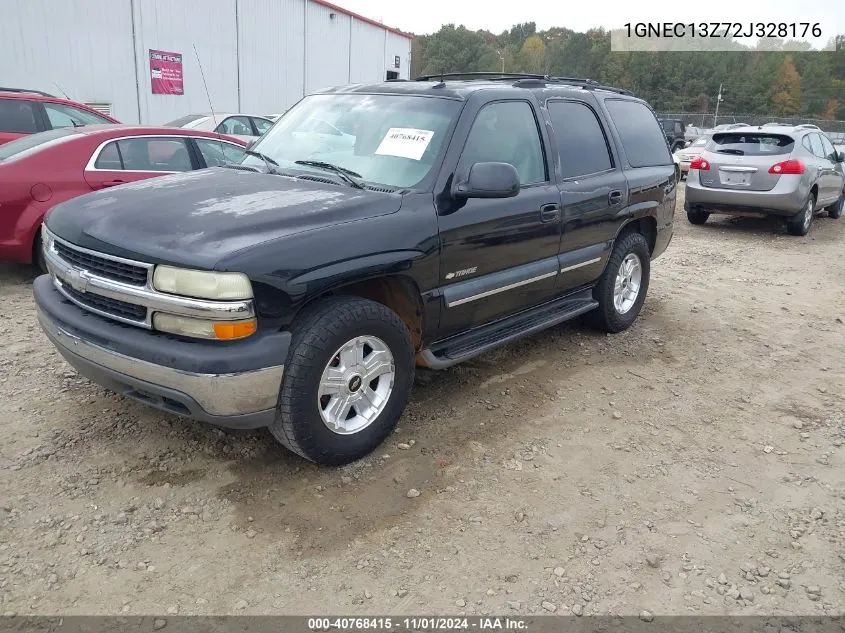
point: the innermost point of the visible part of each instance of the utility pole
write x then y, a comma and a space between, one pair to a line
718, 101
502, 57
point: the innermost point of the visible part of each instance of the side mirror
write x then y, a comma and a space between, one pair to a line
840, 157
488, 180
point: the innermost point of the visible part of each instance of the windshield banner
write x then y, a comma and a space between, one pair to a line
166, 73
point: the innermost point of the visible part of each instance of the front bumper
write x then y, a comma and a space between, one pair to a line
228, 384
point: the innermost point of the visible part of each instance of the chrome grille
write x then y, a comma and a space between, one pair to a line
109, 268
101, 304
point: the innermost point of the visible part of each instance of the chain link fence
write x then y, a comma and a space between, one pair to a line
707, 120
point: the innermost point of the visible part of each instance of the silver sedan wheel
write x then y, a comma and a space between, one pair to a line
629, 279
808, 215
356, 385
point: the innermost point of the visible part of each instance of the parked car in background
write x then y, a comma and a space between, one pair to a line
275, 117
792, 172
246, 127
838, 140
469, 212
24, 112
44, 169
673, 129
686, 154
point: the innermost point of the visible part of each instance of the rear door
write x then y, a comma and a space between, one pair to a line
742, 160
593, 190
837, 175
18, 117
137, 158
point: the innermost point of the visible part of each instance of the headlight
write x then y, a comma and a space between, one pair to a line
202, 284
204, 328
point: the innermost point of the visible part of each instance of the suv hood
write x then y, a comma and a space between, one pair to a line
197, 218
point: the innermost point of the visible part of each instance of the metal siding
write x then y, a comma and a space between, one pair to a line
326, 47
401, 46
176, 26
59, 47
367, 61
272, 54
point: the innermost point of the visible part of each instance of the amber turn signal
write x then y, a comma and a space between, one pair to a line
230, 330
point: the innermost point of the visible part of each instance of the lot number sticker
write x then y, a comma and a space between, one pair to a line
405, 142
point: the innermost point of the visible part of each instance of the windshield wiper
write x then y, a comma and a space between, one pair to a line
267, 160
347, 174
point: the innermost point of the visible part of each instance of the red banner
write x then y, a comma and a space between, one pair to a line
166, 73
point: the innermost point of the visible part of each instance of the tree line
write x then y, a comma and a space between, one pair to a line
766, 81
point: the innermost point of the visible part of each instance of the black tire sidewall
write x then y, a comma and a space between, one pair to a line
835, 210
606, 315
696, 216
795, 225
328, 328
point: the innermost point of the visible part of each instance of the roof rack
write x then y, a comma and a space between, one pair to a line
26, 90
525, 80
808, 126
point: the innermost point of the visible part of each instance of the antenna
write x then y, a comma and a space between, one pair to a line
211, 107
62, 91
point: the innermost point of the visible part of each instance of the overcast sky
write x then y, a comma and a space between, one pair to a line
426, 16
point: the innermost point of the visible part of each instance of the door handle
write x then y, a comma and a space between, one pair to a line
614, 197
112, 183
550, 212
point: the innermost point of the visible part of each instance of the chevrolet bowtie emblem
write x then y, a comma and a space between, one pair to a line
77, 279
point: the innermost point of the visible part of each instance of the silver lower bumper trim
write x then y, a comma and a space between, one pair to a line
218, 394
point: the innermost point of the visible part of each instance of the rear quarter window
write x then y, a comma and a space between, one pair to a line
750, 144
642, 137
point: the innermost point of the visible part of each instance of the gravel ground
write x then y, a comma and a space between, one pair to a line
691, 465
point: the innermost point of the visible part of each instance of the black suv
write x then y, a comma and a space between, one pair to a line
371, 230
675, 132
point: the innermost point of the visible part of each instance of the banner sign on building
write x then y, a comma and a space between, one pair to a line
166, 73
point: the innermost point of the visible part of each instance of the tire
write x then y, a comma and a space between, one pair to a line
800, 224
316, 348
608, 317
38, 261
697, 217
835, 210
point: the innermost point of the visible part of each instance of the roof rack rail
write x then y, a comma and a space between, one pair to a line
26, 90
589, 84
479, 75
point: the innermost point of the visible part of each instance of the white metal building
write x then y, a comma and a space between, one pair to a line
258, 56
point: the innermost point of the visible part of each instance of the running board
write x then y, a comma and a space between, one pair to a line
461, 347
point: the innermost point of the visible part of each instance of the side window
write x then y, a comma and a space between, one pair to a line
644, 143
506, 132
17, 116
61, 115
218, 153
829, 149
262, 125
238, 125
816, 144
806, 143
109, 158
581, 142
155, 154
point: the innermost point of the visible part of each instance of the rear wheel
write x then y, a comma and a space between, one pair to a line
695, 216
38, 260
835, 210
622, 288
800, 223
346, 382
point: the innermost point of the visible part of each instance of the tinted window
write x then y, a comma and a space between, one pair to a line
34, 142
816, 144
580, 139
750, 144
217, 153
235, 125
641, 136
17, 116
61, 115
109, 158
155, 154
262, 125
829, 150
507, 133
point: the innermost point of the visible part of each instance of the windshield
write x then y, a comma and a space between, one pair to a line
389, 140
699, 142
182, 121
16, 148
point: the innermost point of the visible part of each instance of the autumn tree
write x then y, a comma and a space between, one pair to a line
532, 56
786, 91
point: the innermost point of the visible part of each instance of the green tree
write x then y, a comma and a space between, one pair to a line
786, 91
532, 56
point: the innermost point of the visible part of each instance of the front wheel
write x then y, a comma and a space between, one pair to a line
800, 224
346, 381
622, 288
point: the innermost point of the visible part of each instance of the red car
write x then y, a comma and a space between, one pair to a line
41, 170
25, 112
